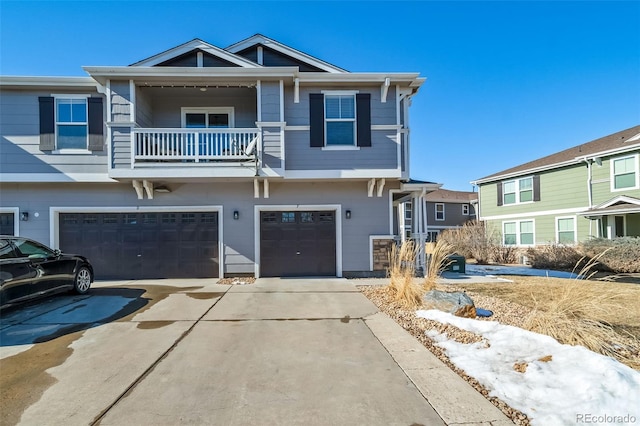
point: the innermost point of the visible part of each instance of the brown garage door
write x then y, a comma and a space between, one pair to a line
144, 245
297, 243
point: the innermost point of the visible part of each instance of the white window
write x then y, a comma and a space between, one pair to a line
517, 191
519, 233
208, 118
407, 211
340, 119
465, 209
439, 211
566, 230
624, 173
71, 123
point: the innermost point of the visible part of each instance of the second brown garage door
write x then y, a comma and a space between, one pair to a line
144, 245
297, 243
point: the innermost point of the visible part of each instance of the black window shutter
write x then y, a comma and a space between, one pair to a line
499, 186
363, 108
316, 119
96, 139
47, 124
536, 188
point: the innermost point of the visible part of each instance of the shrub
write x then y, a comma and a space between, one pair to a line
402, 269
437, 263
555, 256
622, 254
473, 240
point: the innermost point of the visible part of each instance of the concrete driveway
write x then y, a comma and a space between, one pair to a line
280, 351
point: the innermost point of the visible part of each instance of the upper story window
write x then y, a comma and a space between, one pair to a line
71, 123
340, 120
439, 211
517, 191
624, 173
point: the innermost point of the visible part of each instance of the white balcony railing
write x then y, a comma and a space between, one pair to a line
194, 145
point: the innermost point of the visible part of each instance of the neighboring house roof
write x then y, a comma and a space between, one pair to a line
618, 142
448, 196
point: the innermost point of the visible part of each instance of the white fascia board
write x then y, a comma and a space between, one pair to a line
282, 48
610, 152
186, 173
197, 75
412, 79
33, 81
576, 160
342, 174
429, 187
192, 45
54, 177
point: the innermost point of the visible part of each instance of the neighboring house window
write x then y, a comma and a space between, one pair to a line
465, 209
566, 230
439, 211
407, 211
340, 120
518, 233
71, 122
517, 191
432, 236
624, 173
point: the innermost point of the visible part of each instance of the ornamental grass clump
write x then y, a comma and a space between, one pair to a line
438, 262
576, 314
402, 271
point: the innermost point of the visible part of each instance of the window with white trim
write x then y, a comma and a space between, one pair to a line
566, 230
465, 209
518, 233
340, 120
518, 191
439, 211
624, 173
71, 123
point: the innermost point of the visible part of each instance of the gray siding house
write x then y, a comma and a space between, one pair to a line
256, 159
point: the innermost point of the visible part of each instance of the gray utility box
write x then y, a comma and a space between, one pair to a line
457, 263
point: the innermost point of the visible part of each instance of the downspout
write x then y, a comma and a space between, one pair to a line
589, 192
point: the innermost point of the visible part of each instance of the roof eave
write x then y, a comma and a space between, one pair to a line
34, 81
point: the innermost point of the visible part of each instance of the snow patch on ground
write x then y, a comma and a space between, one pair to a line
515, 270
576, 385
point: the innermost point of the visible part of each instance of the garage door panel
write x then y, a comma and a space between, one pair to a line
297, 243
144, 245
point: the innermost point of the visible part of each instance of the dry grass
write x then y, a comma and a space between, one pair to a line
603, 317
437, 264
402, 270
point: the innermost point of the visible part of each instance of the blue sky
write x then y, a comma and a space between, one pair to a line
507, 82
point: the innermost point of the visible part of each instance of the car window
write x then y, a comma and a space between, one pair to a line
6, 251
28, 248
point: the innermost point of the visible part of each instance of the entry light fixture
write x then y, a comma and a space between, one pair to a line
347, 214
162, 188
236, 215
24, 216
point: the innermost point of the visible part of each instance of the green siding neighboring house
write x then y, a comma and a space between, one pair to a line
590, 190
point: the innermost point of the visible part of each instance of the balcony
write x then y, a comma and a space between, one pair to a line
194, 147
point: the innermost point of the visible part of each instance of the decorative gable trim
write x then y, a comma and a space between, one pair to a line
259, 39
190, 46
617, 200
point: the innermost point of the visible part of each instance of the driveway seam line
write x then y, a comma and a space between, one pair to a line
96, 421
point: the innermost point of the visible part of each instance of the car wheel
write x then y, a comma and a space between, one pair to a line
82, 281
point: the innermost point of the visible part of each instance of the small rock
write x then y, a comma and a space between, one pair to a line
546, 358
520, 367
457, 303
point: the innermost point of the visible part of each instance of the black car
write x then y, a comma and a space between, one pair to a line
29, 269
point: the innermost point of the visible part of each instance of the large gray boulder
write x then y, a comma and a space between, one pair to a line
458, 303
